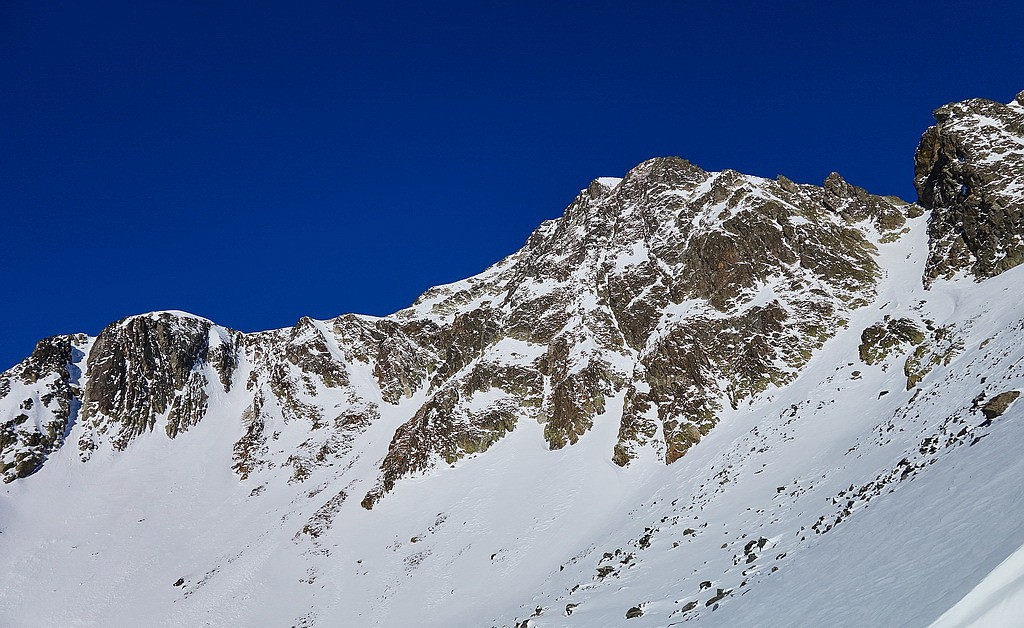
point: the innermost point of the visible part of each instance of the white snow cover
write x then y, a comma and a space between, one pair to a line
997, 600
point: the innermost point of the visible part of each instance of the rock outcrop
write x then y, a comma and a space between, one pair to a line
996, 406
968, 173
150, 368
40, 402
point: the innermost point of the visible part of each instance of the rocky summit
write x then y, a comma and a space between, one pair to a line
675, 403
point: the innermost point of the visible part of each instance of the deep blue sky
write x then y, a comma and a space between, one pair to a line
259, 162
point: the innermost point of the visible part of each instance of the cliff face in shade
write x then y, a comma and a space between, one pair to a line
967, 172
709, 361
153, 366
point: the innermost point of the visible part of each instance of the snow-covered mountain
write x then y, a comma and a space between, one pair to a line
695, 397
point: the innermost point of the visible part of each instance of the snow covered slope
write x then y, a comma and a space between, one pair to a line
696, 397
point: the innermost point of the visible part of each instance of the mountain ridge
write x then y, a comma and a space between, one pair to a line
659, 309
179, 390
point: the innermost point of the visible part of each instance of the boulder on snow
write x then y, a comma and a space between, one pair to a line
997, 405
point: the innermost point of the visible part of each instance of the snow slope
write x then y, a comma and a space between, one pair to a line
995, 602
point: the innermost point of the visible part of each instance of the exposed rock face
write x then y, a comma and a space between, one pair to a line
682, 289
967, 172
294, 372
674, 291
150, 367
42, 400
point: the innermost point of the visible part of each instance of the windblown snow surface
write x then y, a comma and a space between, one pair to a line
842, 499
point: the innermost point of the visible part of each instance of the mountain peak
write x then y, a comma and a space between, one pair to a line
601, 186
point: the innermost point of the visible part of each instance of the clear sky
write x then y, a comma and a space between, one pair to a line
255, 162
